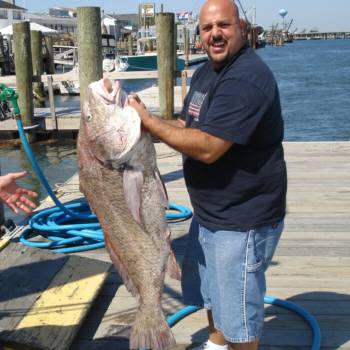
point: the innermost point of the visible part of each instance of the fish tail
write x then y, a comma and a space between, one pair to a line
151, 331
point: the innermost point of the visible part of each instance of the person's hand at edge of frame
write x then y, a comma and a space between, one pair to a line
15, 196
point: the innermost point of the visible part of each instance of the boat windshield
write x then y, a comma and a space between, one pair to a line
110, 56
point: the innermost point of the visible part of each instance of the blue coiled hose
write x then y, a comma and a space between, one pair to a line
58, 225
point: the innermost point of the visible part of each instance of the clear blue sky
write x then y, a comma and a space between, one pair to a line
306, 14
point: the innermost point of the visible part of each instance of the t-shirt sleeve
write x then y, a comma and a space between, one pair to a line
236, 108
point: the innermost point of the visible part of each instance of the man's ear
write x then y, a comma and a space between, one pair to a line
243, 25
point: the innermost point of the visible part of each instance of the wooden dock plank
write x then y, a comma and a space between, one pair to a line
59, 290
24, 275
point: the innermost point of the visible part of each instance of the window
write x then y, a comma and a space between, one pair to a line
3, 14
17, 14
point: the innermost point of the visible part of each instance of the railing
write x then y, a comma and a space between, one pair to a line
132, 75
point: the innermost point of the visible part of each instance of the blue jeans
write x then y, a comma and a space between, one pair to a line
224, 271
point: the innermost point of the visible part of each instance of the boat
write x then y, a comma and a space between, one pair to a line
69, 87
145, 57
110, 62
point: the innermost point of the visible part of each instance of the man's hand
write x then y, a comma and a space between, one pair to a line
145, 116
13, 195
135, 102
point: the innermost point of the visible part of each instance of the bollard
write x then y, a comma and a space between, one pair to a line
24, 73
89, 47
186, 45
49, 63
36, 40
130, 45
165, 23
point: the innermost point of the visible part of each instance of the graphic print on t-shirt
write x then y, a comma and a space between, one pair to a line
195, 104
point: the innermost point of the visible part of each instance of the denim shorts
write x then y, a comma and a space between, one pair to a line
224, 271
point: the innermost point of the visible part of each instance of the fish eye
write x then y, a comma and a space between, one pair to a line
89, 118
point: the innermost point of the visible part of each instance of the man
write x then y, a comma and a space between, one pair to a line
14, 196
236, 177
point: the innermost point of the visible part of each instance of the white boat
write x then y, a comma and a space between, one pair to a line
110, 62
69, 87
114, 63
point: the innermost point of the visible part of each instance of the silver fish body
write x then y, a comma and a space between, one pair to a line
119, 177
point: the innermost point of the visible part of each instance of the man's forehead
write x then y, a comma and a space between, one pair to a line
218, 9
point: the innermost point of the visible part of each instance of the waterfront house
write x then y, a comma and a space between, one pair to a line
10, 13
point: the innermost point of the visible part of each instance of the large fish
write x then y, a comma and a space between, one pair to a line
119, 176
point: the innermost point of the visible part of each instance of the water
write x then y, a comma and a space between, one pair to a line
314, 83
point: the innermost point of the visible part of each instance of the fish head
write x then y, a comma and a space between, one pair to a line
111, 127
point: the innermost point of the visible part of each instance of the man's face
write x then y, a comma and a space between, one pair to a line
220, 31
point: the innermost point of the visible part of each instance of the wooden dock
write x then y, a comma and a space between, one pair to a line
311, 266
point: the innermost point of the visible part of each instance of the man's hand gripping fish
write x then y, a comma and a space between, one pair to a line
119, 176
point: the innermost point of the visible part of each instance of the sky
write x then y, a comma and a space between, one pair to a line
323, 15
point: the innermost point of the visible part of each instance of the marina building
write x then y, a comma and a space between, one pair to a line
10, 13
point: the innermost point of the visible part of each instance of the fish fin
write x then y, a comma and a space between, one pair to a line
150, 330
161, 189
173, 268
129, 285
133, 182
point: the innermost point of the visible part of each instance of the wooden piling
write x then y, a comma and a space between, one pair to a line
89, 47
49, 62
36, 40
24, 73
130, 45
165, 23
54, 121
186, 45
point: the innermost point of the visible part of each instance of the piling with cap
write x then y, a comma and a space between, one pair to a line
165, 23
89, 47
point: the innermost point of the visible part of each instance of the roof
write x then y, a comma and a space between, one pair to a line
125, 16
33, 26
7, 5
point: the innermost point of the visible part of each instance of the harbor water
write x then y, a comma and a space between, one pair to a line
314, 82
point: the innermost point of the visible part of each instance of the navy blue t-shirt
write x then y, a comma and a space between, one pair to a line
246, 187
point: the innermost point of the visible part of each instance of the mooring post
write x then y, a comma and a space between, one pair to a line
165, 23
187, 45
36, 40
130, 45
54, 121
49, 62
89, 47
24, 73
